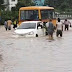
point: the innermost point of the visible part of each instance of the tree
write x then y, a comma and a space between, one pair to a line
1, 6
63, 6
46, 2
59, 4
24, 3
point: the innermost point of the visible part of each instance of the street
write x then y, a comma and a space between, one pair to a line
35, 54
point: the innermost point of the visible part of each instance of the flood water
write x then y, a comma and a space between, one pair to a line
35, 54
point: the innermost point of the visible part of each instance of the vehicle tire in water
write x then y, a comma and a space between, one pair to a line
36, 35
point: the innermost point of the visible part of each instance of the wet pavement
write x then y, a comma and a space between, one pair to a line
35, 54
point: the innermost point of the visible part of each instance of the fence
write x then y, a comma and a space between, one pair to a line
64, 15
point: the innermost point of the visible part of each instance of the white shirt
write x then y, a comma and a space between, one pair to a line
67, 22
59, 25
47, 24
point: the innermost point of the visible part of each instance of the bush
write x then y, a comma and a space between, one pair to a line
5, 15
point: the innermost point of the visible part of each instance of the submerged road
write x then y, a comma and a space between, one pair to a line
35, 54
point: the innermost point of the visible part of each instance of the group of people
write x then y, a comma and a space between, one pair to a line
59, 27
8, 24
49, 25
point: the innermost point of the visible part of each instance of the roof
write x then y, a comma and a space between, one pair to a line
35, 7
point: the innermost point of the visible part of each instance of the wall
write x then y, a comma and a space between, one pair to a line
10, 3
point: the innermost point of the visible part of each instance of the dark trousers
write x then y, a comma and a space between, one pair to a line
66, 27
9, 27
6, 28
14, 26
59, 32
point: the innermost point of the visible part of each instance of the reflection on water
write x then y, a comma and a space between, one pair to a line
1, 57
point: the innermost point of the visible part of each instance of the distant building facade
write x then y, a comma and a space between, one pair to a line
39, 2
10, 3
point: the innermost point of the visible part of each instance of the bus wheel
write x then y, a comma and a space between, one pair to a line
36, 35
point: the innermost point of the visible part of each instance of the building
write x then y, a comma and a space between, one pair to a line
10, 3
39, 2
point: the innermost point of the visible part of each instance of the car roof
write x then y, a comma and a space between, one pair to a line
31, 21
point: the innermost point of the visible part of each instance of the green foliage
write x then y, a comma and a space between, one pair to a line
60, 5
1, 2
24, 3
5, 15
1, 6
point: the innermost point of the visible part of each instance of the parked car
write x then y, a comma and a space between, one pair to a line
30, 29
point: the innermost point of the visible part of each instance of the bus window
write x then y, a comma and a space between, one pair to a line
29, 15
46, 14
51, 14
22, 16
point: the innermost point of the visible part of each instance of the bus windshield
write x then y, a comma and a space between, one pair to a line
47, 14
29, 15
